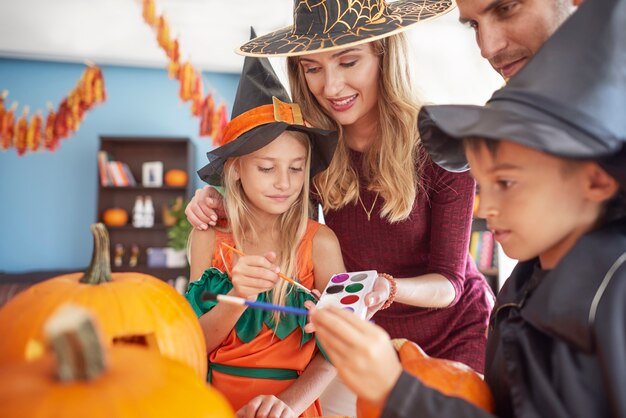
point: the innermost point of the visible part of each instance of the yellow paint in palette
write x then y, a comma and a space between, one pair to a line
347, 291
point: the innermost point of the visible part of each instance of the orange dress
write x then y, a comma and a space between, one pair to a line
255, 359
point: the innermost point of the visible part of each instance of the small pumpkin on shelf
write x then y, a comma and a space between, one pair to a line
132, 308
176, 178
80, 377
115, 217
451, 378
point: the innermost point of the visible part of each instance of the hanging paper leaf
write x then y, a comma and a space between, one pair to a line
8, 128
21, 129
3, 111
172, 51
99, 91
173, 70
206, 119
50, 138
163, 33
218, 124
33, 136
187, 81
196, 98
149, 12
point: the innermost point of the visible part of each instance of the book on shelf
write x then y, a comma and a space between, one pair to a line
114, 173
483, 250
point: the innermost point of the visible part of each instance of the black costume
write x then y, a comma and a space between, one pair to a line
557, 341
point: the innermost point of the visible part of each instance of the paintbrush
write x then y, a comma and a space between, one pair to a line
282, 276
253, 304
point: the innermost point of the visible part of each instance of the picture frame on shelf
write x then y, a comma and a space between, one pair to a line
152, 174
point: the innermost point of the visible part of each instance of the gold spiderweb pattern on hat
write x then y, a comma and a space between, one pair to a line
326, 24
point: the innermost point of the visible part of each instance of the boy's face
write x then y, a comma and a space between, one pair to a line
273, 176
534, 203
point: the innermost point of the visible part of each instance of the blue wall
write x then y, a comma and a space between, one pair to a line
48, 200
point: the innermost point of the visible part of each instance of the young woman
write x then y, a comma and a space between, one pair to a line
264, 363
390, 206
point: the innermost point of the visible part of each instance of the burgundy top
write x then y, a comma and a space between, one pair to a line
434, 239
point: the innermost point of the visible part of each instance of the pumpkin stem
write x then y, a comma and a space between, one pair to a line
99, 270
72, 335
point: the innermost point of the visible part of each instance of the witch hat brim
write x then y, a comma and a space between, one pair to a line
442, 129
323, 144
325, 26
568, 101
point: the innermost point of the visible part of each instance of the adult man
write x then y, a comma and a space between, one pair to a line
510, 32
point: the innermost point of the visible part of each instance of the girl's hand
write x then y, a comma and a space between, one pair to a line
254, 274
205, 208
377, 297
266, 406
360, 351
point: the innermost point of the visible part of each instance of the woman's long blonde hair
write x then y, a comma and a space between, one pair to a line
392, 166
291, 225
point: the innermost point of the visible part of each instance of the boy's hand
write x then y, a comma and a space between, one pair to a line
205, 208
264, 406
254, 274
360, 351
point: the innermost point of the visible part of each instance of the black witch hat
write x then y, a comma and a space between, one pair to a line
568, 101
261, 112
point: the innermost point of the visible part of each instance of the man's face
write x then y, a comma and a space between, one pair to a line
510, 32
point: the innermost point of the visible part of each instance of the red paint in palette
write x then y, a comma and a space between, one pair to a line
349, 300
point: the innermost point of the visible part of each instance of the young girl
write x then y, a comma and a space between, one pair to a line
264, 363
549, 154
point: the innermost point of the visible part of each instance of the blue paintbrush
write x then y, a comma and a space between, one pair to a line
253, 304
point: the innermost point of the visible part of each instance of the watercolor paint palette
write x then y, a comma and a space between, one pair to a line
348, 290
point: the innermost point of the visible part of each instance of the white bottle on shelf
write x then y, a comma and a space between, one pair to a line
148, 212
138, 212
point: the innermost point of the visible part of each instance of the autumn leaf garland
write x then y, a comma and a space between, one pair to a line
212, 121
33, 135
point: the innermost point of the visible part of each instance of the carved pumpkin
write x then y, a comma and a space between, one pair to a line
131, 308
115, 217
175, 178
83, 378
449, 377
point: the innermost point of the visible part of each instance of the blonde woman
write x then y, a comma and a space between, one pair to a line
263, 362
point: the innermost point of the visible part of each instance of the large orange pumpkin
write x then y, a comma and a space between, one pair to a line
131, 308
115, 217
449, 377
175, 178
85, 379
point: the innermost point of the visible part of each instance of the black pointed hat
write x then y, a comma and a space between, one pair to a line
261, 112
568, 101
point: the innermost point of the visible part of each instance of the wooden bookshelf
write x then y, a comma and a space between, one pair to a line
174, 153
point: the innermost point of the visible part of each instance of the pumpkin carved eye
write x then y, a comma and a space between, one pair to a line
147, 340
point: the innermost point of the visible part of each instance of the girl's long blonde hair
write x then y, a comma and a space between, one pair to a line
392, 166
291, 225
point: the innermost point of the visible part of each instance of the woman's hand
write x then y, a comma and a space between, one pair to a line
360, 351
378, 296
254, 274
264, 406
205, 208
